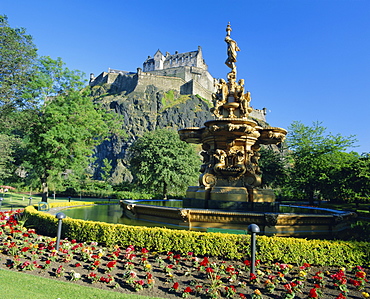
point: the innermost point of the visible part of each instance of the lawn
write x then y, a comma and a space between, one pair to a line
22, 285
14, 200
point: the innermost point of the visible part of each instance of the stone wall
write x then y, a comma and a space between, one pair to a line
185, 80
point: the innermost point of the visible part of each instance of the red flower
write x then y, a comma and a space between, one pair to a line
188, 290
78, 265
210, 270
111, 264
247, 263
356, 283
96, 263
177, 256
144, 250
361, 274
253, 276
205, 262
313, 293
175, 286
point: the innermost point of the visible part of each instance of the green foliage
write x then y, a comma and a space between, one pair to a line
106, 169
161, 161
314, 154
209, 103
269, 249
17, 55
274, 167
352, 180
7, 144
170, 99
66, 128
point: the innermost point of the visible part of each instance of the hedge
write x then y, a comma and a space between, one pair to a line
269, 249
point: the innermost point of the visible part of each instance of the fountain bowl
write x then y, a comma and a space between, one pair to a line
281, 220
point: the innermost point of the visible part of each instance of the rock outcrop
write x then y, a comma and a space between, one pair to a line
142, 112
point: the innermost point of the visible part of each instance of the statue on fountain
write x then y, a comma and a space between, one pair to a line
230, 174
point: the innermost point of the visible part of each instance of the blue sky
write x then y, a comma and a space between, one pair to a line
304, 60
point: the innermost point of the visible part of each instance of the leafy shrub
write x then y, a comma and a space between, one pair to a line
269, 249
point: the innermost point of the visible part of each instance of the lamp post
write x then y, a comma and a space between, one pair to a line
60, 216
253, 228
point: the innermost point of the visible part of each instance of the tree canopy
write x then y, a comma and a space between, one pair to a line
314, 154
162, 163
66, 129
17, 57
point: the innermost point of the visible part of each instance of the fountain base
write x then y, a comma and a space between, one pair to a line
308, 222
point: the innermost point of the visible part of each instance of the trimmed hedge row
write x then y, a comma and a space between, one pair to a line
269, 249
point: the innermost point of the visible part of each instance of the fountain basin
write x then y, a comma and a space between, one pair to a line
304, 222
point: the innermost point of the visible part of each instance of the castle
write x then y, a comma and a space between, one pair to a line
187, 73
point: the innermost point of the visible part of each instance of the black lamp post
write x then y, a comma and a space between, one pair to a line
253, 228
60, 216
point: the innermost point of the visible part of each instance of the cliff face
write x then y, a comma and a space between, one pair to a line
142, 112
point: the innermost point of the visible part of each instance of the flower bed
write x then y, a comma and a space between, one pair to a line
269, 249
171, 274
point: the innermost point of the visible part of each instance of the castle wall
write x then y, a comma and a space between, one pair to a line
259, 114
119, 81
203, 77
162, 82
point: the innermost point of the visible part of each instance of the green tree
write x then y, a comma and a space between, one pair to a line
159, 160
106, 169
17, 58
7, 144
66, 129
314, 154
274, 166
351, 181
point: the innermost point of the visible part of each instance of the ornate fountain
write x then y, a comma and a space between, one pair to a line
230, 175
228, 196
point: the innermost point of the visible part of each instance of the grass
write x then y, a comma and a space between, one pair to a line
21, 285
14, 200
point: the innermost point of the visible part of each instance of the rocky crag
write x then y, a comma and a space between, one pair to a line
142, 112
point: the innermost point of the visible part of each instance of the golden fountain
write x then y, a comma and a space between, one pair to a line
228, 197
230, 175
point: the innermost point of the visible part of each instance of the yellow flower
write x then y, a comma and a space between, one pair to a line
343, 269
257, 292
366, 295
259, 272
148, 266
290, 266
